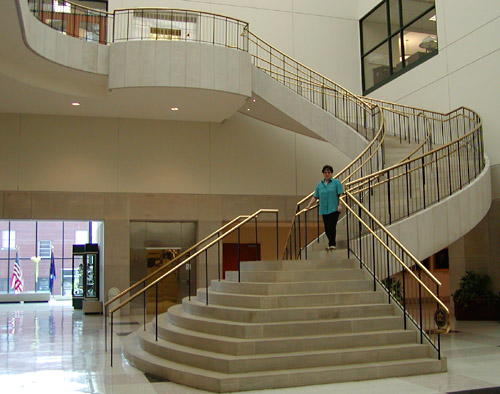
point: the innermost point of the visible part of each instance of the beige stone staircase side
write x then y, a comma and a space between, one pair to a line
286, 324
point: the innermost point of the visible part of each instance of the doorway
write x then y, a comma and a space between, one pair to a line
154, 245
248, 252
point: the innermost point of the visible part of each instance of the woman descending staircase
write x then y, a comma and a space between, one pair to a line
285, 324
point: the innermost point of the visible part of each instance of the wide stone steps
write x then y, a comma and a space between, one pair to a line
289, 301
295, 275
289, 328
224, 383
229, 364
291, 287
287, 323
236, 345
298, 265
195, 309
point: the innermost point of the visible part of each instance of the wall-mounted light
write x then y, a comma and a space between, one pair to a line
75, 104
174, 109
433, 18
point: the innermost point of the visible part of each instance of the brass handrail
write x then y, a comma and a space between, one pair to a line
390, 251
183, 10
348, 93
380, 135
361, 188
383, 104
76, 5
196, 254
182, 263
379, 173
178, 257
423, 143
392, 237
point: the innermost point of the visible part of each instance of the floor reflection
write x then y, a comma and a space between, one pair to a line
51, 347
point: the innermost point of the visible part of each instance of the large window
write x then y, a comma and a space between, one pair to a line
25, 239
8, 239
396, 36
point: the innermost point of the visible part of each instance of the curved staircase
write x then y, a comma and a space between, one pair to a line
295, 323
287, 323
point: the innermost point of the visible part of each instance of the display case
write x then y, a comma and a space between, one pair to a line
85, 277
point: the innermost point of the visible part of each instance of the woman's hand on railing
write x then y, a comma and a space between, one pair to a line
312, 201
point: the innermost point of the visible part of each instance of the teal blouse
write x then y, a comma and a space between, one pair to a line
328, 196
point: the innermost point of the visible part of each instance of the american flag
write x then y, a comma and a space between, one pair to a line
17, 277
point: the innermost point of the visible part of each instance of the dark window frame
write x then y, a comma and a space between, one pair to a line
388, 41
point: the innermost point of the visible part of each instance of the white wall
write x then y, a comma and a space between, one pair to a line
323, 35
82, 154
365, 6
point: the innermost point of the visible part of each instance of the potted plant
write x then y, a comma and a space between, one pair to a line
474, 300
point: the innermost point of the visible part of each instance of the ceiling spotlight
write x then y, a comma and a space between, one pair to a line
75, 104
248, 109
254, 100
174, 109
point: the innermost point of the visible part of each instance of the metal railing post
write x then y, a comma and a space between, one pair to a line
305, 234
277, 238
218, 257
105, 328
156, 312
317, 221
144, 306
256, 230
189, 281
111, 329
404, 293
206, 275
239, 274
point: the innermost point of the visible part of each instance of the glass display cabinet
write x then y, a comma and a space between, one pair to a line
85, 277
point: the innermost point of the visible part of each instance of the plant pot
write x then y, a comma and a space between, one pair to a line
478, 311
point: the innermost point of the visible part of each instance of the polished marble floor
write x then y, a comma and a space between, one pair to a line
55, 349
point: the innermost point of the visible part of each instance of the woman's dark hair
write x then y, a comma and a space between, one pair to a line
327, 167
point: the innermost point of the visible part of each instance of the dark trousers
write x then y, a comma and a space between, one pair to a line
330, 222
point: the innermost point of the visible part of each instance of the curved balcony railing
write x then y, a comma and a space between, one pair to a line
73, 19
179, 25
140, 24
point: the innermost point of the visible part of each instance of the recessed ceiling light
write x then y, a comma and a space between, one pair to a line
75, 104
174, 109
254, 100
248, 109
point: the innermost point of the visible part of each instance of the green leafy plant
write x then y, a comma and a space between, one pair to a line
394, 286
474, 288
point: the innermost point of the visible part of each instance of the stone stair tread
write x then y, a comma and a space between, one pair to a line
276, 309
266, 339
333, 268
300, 282
203, 290
290, 288
150, 336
